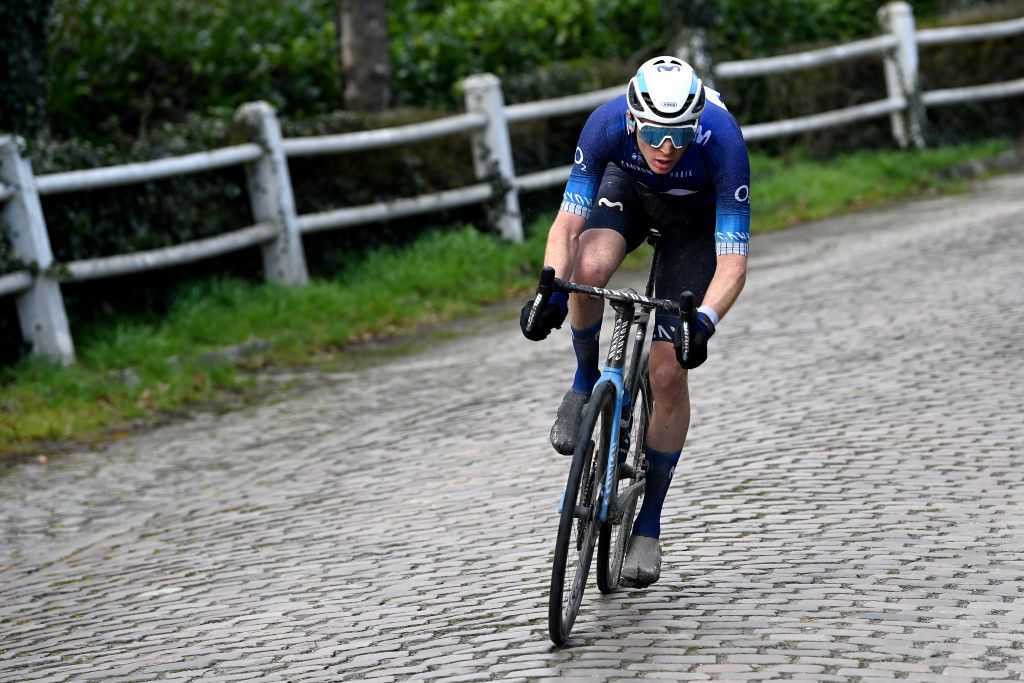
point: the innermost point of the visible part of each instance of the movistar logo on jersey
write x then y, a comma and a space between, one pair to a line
610, 205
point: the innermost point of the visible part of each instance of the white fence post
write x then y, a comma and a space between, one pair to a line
271, 196
44, 322
901, 77
492, 151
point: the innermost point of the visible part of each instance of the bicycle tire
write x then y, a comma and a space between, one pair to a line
611, 552
580, 513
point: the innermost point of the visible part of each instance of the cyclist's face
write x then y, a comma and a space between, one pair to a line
661, 159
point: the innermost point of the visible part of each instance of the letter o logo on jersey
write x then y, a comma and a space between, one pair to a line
742, 193
579, 155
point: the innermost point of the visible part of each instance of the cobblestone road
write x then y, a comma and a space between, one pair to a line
850, 506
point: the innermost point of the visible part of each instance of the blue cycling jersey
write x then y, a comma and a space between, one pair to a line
714, 169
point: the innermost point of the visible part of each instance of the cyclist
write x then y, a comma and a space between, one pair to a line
665, 155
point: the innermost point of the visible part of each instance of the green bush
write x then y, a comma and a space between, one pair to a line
845, 84
757, 29
121, 65
973, 63
120, 220
141, 216
743, 29
172, 57
23, 63
221, 54
436, 44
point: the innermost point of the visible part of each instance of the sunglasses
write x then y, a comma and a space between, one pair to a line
654, 134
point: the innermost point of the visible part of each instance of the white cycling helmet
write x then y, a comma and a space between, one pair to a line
665, 90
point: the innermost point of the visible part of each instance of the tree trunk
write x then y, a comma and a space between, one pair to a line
690, 25
363, 44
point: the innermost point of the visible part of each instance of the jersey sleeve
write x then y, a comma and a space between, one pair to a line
732, 191
593, 152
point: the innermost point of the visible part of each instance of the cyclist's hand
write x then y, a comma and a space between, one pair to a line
549, 317
698, 340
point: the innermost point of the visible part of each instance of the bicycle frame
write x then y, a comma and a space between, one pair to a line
625, 303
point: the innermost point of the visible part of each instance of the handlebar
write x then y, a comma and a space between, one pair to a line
549, 283
686, 308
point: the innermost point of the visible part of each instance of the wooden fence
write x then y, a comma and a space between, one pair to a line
278, 230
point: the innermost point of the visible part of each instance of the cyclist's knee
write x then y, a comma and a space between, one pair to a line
668, 379
593, 269
600, 253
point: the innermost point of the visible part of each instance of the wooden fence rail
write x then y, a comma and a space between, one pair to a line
279, 228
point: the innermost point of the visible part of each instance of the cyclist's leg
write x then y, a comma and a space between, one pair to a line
600, 252
617, 225
671, 416
610, 232
599, 256
687, 263
665, 436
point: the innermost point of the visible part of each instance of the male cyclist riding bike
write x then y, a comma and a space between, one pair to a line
666, 155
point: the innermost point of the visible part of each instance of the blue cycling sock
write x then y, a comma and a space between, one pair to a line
585, 343
660, 467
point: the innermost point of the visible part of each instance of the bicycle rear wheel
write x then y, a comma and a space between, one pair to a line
615, 532
579, 521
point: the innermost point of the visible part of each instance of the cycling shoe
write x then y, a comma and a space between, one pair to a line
566, 429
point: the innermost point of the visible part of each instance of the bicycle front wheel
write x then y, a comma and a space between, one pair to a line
580, 517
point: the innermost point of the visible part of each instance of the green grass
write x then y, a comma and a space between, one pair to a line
129, 369
799, 191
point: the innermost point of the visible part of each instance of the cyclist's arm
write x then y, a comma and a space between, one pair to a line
604, 127
726, 285
732, 219
563, 240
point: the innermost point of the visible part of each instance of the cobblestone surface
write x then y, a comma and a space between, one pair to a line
849, 508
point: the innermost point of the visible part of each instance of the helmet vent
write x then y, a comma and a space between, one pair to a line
634, 101
655, 110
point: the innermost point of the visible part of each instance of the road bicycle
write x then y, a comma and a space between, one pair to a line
593, 510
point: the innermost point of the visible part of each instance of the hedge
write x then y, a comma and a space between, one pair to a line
24, 25
212, 56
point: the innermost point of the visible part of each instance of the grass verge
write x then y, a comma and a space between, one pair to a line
129, 370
